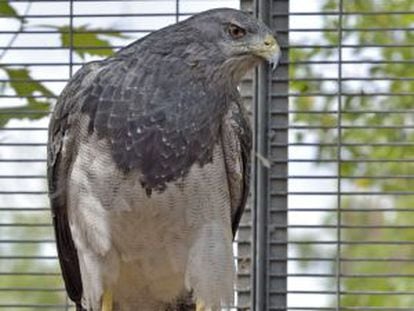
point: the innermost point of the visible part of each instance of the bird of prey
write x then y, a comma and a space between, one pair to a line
148, 166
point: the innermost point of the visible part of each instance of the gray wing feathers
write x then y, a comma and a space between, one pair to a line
236, 141
61, 153
149, 115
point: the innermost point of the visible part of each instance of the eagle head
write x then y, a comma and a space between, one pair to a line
235, 39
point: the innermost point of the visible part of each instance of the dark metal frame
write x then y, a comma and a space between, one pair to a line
270, 210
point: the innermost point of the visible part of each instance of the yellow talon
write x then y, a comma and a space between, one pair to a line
200, 306
107, 301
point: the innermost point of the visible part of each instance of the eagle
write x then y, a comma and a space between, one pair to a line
148, 166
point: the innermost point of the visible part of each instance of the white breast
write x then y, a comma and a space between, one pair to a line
148, 249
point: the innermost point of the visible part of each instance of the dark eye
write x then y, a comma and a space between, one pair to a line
236, 32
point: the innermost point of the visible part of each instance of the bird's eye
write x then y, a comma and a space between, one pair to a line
236, 32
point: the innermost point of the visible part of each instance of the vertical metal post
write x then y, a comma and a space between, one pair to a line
278, 140
269, 194
71, 38
177, 11
261, 179
339, 160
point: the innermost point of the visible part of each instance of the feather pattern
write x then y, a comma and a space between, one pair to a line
185, 232
155, 107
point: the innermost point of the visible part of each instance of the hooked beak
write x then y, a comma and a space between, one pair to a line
269, 50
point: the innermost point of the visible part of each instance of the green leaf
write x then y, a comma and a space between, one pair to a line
7, 10
86, 40
362, 128
23, 85
38, 109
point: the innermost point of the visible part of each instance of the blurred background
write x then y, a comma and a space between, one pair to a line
346, 86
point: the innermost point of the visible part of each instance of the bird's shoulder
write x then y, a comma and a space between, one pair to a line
67, 109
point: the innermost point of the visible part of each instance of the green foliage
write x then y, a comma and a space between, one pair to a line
84, 39
16, 77
24, 272
359, 100
7, 10
24, 85
360, 120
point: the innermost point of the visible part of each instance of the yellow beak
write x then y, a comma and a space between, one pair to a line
269, 49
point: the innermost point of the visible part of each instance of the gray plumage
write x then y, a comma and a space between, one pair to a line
148, 165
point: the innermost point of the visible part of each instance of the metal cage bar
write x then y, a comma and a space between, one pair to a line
270, 212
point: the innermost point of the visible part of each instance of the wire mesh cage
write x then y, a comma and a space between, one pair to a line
329, 224
350, 156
